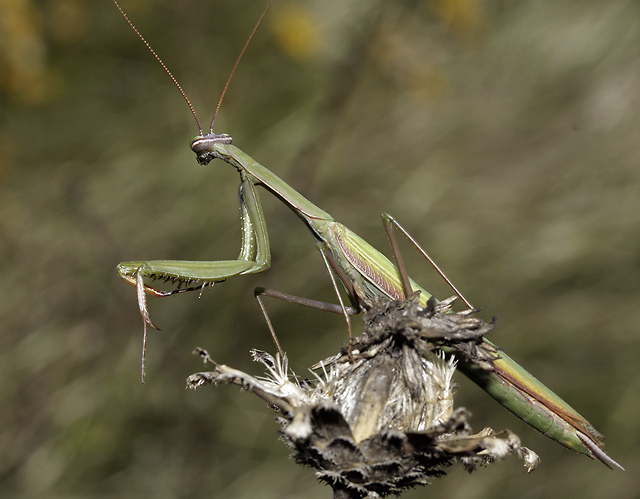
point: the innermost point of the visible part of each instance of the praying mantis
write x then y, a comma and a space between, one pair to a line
364, 272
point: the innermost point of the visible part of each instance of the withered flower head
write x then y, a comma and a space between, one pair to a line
378, 417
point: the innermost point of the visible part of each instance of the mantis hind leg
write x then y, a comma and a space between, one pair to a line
318, 305
340, 308
389, 222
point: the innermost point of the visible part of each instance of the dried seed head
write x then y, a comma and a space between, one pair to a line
380, 419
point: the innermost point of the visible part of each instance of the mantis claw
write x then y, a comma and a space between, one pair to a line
144, 312
141, 288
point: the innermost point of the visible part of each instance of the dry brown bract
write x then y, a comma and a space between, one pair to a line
380, 419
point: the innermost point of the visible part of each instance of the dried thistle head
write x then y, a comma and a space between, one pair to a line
379, 418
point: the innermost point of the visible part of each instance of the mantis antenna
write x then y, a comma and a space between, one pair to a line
173, 78
235, 66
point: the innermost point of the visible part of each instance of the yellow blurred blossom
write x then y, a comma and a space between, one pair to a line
464, 17
297, 32
23, 67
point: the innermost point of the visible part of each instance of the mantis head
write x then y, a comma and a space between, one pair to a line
204, 146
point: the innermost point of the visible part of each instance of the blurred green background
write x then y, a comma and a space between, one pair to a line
504, 135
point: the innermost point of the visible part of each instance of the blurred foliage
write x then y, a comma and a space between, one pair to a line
503, 135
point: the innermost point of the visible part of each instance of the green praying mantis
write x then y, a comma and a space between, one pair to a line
364, 272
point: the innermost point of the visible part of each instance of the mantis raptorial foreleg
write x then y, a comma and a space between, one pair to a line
254, 254
254, 257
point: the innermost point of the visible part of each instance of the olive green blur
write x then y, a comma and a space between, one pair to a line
505, 136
